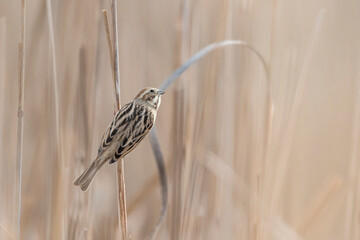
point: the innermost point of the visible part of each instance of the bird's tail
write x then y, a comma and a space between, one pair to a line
85, 178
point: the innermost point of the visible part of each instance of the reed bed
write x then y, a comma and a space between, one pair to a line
259, 137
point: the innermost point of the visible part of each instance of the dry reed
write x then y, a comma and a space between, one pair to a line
113, 45
20, 124
256, 148
2, 112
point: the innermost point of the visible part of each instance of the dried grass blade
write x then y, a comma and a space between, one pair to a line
155, 145
19, 150
111, 55
353, 194
3, 181
56, 212
20, 123
115, 47
197, 56
55, 80
114, 59
6, 231
200, 54
122, 198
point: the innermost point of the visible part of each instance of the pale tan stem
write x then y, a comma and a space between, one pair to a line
20, 124
111, 55
114, 59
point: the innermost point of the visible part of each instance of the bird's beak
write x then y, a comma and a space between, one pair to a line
161, 92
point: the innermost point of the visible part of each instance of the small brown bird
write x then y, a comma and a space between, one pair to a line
129, 126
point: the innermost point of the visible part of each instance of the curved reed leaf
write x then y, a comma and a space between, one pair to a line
154, 140
200, 54
155, 145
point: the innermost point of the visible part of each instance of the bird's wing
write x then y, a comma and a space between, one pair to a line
136, 129
127, 111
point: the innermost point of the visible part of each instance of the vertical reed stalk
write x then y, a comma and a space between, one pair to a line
113, 45
120, 163
20, 123
57, 109
19, 150
182, 52
55, 80
115, 48
3, 182
353, 194
2, 77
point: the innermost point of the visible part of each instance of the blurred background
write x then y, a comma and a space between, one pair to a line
249, 155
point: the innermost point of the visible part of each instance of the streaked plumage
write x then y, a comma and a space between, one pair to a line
129, 126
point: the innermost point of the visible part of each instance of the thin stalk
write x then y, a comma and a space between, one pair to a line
122, 198
19, 151
178, 165
155, 145
120, 164
20, 123
3, 180
57, 120
352, 206
270, 110
108, 38
113, 46
55, 81
178, 158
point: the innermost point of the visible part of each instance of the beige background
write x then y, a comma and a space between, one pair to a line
223, 183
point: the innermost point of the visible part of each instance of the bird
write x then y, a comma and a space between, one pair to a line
130, 125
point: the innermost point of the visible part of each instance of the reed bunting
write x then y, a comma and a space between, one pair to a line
129, 126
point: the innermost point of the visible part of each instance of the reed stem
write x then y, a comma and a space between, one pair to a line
20, 123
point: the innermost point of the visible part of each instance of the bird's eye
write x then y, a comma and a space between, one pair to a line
152, 91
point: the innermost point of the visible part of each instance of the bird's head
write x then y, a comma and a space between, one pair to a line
151, 96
